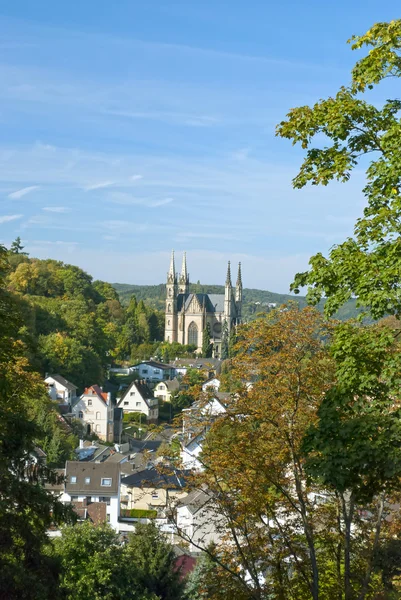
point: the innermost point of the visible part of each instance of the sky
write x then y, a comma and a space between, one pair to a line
131, 128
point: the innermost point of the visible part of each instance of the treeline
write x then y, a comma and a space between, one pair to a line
254, 301
74, 325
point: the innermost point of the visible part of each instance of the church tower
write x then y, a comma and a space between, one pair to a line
183, 287
170, 330
228, 298
238, 294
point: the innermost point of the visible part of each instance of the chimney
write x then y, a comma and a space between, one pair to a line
109, 398
81, 443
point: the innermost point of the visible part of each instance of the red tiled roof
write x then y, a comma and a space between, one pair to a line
185, 564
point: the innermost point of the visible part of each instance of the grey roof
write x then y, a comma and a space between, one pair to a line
171, 384
154, 364
95, 472
195, 500
213, 302
62, 381
174, 479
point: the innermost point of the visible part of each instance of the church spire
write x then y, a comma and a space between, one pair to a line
171, 277
239, 277
228, 278
184, 277
238, 288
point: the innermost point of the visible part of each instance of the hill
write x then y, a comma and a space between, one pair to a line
255, 301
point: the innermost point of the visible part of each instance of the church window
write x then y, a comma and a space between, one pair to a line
193, 334
170, 292
169, 308
169, 322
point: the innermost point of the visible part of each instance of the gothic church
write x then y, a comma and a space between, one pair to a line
188, 315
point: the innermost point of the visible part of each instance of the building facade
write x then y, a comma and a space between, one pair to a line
189, 315
95, 410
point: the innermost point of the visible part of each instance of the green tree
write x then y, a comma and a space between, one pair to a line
16, 247
154, 559
368, 265
26, 509
207, 348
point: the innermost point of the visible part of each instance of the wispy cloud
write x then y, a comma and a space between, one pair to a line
99, 186
192, 120
161, 202
7, 218
56, 209
136, 177
23, 192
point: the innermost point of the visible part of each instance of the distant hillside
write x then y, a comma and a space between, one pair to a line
254, 300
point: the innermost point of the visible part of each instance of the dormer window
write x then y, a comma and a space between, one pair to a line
73, 479
106, 481
87, 480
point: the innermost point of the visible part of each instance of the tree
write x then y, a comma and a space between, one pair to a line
26, 509
306, 455
207, 348
16, 247
367, 265
154, 559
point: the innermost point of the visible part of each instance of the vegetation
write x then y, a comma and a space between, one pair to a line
138, 513
304, 457
368, 265
94, 565
254, 301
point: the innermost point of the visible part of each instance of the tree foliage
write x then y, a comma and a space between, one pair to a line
367, 265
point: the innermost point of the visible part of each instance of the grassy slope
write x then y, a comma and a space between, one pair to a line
155, 296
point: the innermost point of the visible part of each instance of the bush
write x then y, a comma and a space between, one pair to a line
134, 417
138, 513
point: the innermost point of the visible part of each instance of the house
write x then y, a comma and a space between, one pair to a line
94, 489
95, 410
153, 371
164, 389
139, 398
151, 489
211, 365
60, 389
198, 520
190, 452
211, 384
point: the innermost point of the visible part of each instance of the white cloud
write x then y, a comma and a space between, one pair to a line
136, 177
99, 186
7, 218
23, 192
56, 209
161, 202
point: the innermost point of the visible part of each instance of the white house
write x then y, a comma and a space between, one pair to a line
190, 452
94, 489
94, 409
60, 389
152, 371
198, 520
139, 398
164, 389
211, 384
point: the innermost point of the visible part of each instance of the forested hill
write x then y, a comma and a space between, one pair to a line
255, 301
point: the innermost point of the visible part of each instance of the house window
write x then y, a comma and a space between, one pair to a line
98, 417
87, 480
193, 334
126, 403
73, 479
105, 500
145, 371
132, 393
80, 414
89, 401
74, 498
155, 495
157, 371
138, 404
106, 481
108, 518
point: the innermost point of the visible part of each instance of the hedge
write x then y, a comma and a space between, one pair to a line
138, 513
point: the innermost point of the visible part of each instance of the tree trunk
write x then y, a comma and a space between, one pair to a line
368, 574
347, 516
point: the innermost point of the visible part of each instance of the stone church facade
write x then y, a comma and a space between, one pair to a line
189, 314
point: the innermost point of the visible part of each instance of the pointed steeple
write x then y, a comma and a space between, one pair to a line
184, 277
239, 277
238, 288
228, 278
171, 277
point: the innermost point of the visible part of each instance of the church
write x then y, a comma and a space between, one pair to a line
188, 315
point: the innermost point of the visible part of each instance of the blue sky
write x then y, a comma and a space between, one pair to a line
134, 127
